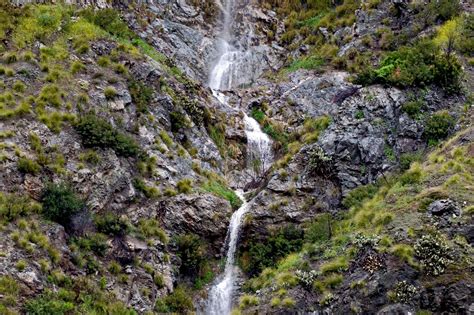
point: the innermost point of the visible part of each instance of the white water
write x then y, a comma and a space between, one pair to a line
224, 76
220, 295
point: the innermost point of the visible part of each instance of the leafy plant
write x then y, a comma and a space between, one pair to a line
60, 202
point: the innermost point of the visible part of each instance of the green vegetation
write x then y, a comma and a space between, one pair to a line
418, 65
184, 186
111, 224
438, 126
142, 95
219, 189
60, 202
26, 165
265, 253
13, 206
191, 251
96, 132
177, 302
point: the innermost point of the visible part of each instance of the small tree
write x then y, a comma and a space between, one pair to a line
60, 202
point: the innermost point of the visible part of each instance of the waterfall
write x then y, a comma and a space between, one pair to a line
225, 74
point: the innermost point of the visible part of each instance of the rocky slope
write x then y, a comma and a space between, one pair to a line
117, 162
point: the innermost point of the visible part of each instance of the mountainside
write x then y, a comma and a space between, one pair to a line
131, 130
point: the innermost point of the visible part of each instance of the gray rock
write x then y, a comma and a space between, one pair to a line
444, 207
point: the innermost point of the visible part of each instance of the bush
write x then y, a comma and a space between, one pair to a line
111, 224
177, 302
434, 254
412, 108
13, 206
438, 126
178, 121
320, 229
77, 66
357, 196
266, 253
191, 251
418, 65
96, 132
184, 186
60, 202
19, 86
26, 165
141, 94
110, 92
109, 20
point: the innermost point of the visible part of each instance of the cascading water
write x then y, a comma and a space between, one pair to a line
225, 76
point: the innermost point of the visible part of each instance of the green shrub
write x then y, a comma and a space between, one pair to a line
406, 159
110, 92
109, 20
220, 190
262, 254
19, 86
357, 196
148, 191
257, 114
13, 206
77, 66
151, 228
434, 253
103, 61
11, 57
191, 251
438, 126
413, 108
47, 305
60, 202
26, 165
177, 302
111, 224
247, 301
184, 186
419, 65
178, 121
320, 229
96, 132
95, 242
142, 95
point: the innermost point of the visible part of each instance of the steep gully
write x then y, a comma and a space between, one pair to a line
224, 77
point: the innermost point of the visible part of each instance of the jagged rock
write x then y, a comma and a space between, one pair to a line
444, 207
205, 215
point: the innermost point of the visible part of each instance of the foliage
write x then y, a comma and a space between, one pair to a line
179, 301
109, 20
141, 94
26, 165
178, 121
151, 228
320, 229
13, 206
319, 163
191, 251
356, 197
413, 108
418, 65
96, 132
434, 254
262, 254
184, 186
438, 126
60, 202
221, 190
111, 224
404, 292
